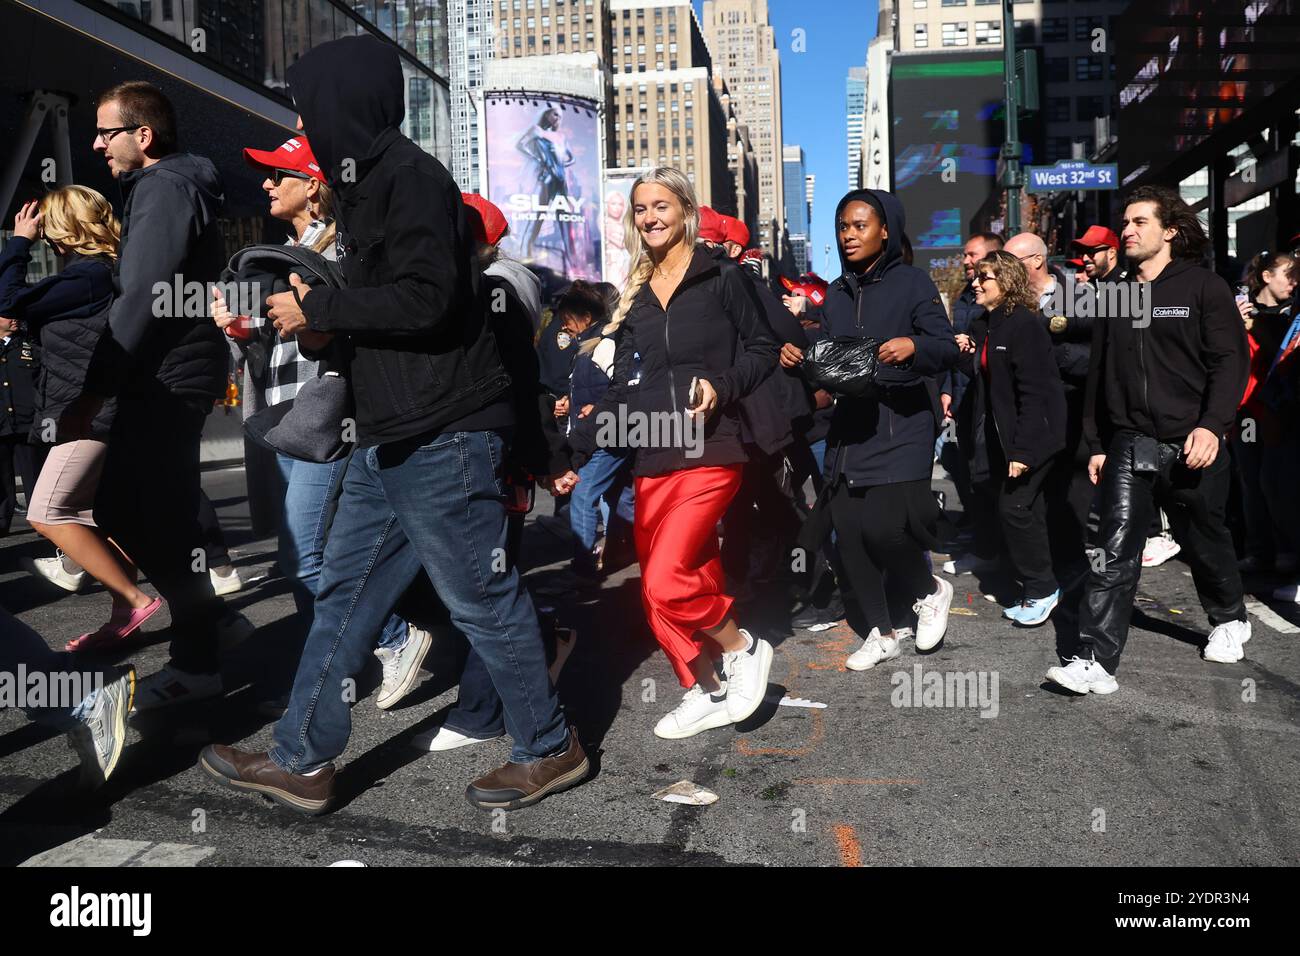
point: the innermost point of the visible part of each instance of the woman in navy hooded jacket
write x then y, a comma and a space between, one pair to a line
880, 449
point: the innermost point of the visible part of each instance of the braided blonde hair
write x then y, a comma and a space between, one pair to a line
675, 181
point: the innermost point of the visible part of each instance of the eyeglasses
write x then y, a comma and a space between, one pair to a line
279, 175
108, 134
986, 277
1030, 256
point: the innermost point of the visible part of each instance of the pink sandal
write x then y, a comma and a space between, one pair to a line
119, 627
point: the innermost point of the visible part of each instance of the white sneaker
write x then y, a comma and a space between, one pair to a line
1226, 640
1158, 550
747, 673
170, 686
228, 583
873, 651
1083, 677
932, 616
698, 711
402, 666
52, 570
1287, 592
444, 738
100, 737
969, 564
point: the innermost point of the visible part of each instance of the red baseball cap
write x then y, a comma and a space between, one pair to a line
1077, 263
1096, 236
713, 225
486, 220
736, 231
294, 154
810, 285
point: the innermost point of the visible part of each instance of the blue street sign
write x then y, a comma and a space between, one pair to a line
1071, 174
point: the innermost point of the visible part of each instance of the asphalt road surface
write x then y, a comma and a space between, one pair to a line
1189, 763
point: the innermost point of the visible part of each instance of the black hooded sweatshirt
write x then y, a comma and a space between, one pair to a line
1184, 367
424, 360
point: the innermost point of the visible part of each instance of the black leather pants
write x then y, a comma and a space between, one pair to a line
1195, 502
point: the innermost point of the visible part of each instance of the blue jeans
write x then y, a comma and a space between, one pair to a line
604, 476
440, 505
20, 646
311, 497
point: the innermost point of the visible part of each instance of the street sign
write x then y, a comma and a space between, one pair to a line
1071, 174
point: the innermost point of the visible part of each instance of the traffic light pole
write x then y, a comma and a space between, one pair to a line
1011, 180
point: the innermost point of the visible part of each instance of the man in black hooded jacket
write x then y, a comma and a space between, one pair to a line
434, 415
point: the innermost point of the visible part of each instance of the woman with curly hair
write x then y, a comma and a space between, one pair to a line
1015, 430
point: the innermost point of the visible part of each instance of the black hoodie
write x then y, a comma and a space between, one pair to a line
1183, 366
425, 358
890, 438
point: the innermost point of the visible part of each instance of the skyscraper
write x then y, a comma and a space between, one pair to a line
855, 89
471, 28
797, 208
743, 47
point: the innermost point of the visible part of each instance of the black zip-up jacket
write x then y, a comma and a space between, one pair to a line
424, 354
889, 437
1020, 404
170, 234
1185, 368
714, 328
20, 370
69, 314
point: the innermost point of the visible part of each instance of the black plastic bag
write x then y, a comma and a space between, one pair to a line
844, 366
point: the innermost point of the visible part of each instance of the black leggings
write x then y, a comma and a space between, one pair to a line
878, 545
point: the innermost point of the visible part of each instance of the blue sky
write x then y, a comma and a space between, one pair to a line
813, 105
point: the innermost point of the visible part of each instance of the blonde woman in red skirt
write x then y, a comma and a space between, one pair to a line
692, 341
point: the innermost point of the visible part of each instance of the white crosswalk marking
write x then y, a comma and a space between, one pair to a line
1270, 617
91, 850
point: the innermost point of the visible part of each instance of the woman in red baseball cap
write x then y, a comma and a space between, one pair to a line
295, 186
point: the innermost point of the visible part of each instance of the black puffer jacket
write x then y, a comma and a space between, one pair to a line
425, 357
170, 236
714, 328
68, 312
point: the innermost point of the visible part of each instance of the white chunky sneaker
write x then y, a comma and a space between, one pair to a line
1083, 677
873, 651
402, 666
444, 738
698, 711
932, 616
225, 580
170, 686
52, 570
100, 737
1226, 640
747, 673
1158, 550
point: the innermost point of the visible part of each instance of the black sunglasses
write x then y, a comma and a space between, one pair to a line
278, 176
107, 134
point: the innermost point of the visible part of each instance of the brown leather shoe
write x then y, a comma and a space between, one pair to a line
519, 785
258, 772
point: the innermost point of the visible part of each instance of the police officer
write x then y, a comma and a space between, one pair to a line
20, 365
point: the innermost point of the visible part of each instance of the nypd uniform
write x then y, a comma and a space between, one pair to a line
20, 367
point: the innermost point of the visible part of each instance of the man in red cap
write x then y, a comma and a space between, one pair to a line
1098, 247
735, 236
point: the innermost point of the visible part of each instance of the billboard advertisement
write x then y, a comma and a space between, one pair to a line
948, 114
618, 197
543, 171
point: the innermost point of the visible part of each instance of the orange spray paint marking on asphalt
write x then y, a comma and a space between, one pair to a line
847, 841
815, 738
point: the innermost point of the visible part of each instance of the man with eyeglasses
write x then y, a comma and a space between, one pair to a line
166, 370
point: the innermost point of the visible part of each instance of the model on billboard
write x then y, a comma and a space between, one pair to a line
546, 146
617, 259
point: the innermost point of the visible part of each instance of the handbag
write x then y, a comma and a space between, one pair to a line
844, 365
318, 424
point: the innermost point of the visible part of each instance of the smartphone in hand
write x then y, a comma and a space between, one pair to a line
695, 395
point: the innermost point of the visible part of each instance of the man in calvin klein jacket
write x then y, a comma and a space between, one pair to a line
1163, 388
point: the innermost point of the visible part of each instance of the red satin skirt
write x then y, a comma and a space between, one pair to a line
681, 566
